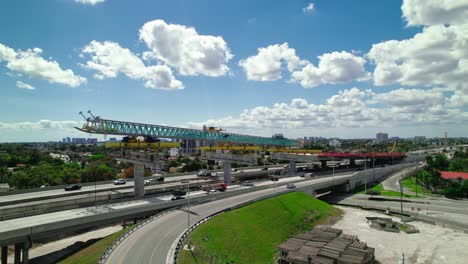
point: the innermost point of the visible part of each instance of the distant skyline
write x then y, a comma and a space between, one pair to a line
301, 68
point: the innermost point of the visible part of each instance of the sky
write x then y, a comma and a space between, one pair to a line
325, 68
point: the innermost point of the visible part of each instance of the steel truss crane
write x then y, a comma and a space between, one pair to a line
97, 125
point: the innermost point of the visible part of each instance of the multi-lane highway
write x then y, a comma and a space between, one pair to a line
49, 194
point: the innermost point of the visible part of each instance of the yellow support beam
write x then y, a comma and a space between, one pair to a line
154, 145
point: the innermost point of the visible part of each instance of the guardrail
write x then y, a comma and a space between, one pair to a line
116, 242
187, 232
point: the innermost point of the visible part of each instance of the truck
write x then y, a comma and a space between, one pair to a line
215, 186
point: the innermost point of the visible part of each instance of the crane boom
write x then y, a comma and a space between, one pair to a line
97, 125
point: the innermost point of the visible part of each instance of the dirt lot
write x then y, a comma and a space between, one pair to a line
433, 244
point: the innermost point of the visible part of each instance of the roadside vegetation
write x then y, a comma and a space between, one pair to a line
28, 166
430, 180
377, 189
252, 233
92, 254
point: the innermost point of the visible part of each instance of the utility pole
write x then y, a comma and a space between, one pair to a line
401, 196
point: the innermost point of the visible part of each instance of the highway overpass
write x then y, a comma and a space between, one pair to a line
22, 231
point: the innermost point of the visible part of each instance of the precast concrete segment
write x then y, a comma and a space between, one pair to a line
245, 159
18, 230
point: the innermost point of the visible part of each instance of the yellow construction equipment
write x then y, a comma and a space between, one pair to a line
214, 129
394, 146
154, 145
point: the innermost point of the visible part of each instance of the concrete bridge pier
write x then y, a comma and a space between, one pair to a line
292, 168
138, 177
21, 253
4, 254
227, 172
324, 164
310, 192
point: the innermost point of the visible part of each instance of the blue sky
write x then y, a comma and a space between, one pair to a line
189, 63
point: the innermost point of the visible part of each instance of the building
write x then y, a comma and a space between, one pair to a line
334, 142
454, 175
63, 157
112, 139
381, 137
420, 139
84, 141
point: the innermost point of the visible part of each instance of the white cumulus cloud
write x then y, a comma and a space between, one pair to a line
333, 68
436, 56
350, 108
89, 2
184, 49
23, 85
435, 12
266, 65
31, 64
109, 59
309, 8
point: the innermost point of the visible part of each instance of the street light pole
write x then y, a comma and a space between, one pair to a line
188, 211
365, 179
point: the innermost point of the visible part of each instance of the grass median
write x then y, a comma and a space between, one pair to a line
383, 192
251, 234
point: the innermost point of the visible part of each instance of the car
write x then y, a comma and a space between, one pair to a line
204, 173
264, 169
150, 181
234, 170
177, 198
119, 181
72, 187
309, 174
159, 179
211, 191
247, 183
273, 178
291, 186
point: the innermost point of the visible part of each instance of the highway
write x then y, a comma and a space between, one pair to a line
151, 243
49, 194
68, 220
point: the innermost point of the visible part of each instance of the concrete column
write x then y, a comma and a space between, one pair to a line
227, 172
138, 177
292, 168
310, 192
324, 164
18, 250
4, 254
26, 246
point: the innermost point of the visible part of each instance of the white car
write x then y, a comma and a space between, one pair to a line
149, 181
119, 181
247, 183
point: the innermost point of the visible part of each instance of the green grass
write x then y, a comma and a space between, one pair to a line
410, 183
251, 234
383, 192
93, 253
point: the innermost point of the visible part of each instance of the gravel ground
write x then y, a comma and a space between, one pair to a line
434, 244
